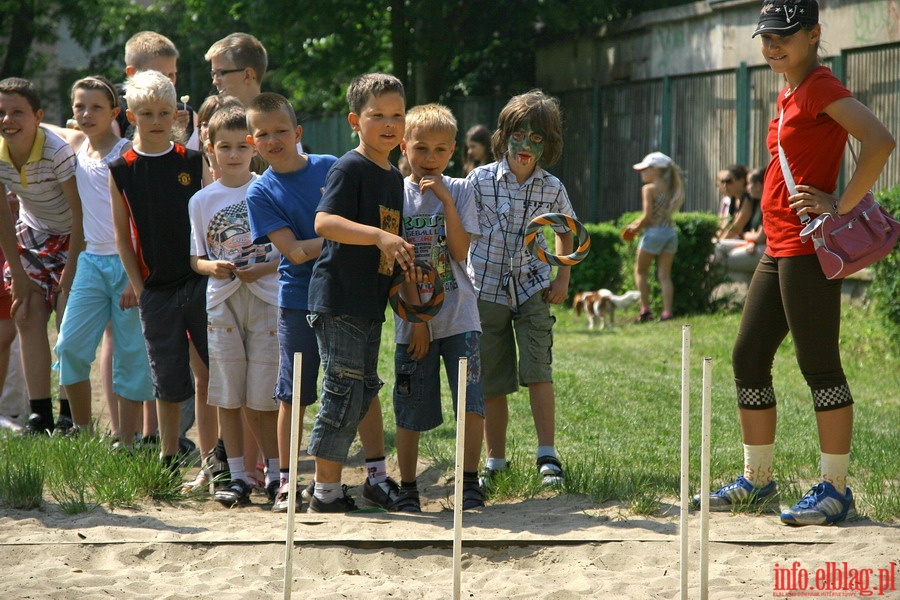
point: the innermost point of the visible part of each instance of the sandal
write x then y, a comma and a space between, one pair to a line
407, 501
473, 495
551, 470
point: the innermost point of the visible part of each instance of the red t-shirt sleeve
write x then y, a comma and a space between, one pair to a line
814, 144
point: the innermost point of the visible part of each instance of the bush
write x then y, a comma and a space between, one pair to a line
885, 288
692, 276
602, 267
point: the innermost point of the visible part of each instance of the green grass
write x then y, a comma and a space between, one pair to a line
618, 414
618, 425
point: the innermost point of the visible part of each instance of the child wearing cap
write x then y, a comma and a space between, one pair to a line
789, 293
661, 196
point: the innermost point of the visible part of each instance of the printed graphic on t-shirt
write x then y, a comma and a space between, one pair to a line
390, 222
228, 237
429, 235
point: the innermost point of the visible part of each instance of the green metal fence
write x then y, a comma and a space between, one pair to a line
705, 121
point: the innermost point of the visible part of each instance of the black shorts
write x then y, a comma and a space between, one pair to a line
171, 318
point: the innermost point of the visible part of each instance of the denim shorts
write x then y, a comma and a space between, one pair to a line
168, 316
657, 240
348, 347
530, 330
296, 335
417, 389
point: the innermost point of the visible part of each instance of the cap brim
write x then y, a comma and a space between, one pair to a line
778, 28
640, 166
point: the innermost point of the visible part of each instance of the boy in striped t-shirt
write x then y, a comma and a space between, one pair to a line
39, 167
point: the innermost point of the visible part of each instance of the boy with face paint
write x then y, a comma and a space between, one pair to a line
514, 288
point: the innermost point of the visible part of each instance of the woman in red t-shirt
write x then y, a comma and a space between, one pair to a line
789, 293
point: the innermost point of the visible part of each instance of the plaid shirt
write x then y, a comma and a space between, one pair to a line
504, 210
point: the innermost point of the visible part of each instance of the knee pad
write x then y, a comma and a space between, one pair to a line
756, 398
832, 398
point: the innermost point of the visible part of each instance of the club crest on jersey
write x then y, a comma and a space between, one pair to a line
184, 179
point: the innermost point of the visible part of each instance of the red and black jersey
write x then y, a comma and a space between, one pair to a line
156, 189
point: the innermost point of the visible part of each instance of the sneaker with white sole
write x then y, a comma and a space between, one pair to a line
822, 505
739, 493
280, 505
384, 494
342, 504
487, 476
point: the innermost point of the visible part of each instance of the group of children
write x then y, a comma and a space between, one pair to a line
200, 264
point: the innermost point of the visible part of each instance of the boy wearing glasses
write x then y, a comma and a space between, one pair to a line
237, 65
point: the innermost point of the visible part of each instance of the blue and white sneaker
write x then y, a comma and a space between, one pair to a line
822, 505
740, 493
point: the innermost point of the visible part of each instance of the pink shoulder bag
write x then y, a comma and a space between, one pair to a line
846, 243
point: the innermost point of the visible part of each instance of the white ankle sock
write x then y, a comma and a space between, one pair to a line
834, 470
546, 451
328, 492
238, 471
495, 464
376, 471
272, 470
758, 464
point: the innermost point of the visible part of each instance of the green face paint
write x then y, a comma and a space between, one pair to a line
526, 145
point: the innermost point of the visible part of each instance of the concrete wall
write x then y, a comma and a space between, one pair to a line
699, 37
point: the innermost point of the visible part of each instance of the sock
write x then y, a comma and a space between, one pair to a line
470, 477
64, 409
272, 470
495, 464
645, 310
758, 464
546, 451
172, 463
44, 408
376, 469
834, 470
219, 451
328, 492
238, 471
408, 486
284, 475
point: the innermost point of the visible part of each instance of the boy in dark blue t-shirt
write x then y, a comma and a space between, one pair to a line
359, 217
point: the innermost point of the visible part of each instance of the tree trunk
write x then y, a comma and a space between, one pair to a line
20, 38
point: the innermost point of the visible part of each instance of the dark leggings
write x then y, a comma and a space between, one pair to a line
790, 295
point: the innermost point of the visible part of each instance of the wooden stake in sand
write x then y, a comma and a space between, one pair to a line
706, 418
685, 449
461, 379
292, 489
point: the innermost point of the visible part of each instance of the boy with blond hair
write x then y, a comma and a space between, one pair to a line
359, 217
42, 245
237, 65
150, 186
241, 302
151, 51
439, 219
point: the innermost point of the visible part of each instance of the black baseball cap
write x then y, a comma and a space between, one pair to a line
785, 17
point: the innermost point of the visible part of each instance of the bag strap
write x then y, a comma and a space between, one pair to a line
786, 169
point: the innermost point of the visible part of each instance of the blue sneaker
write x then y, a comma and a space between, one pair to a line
822, 505
740, 493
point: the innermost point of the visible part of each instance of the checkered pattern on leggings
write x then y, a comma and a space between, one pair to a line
832, 398
756, 398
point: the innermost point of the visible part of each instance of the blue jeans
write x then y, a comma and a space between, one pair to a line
296, 335
348, 348
417, 391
